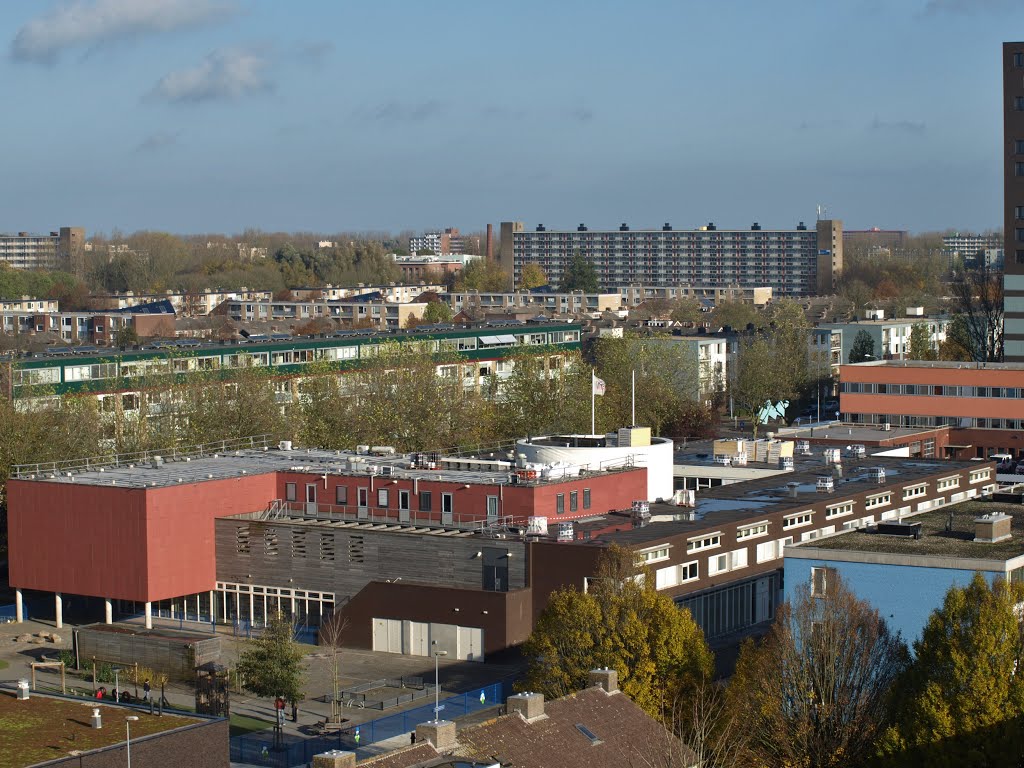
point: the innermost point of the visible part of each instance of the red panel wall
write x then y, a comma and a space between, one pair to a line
123, 543
607, 492
82, 539
180, 545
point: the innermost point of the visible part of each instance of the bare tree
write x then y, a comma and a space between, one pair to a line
978, 298
330, 638
816, 692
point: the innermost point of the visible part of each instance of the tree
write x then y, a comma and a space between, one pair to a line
484, 276
437, 312
863, 347
962, 698
125, 336
331, 634
533, 276
957, 345
579, 275
687, 310
272, 664
978, 297
621, 622
763, 376
735, 314
815, 693
920, 343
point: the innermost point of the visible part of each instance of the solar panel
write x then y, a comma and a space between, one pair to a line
588, 733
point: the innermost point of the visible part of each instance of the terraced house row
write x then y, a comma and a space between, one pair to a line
471, 353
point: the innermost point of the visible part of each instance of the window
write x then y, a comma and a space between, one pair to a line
1018, 233
289, 492
797, 520
425, 501
574, 500
752, 531
1020, 257
382, 498
1018, 60
674, 575
1018, 169
948, 482
1018, 103
838, 510
560, 504
341, 494
878, 500
915, 491
654, 555
978, 475
586, 498
705, 542
1018, 212
728, 561
820, 578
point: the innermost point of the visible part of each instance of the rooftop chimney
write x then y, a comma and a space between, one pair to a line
335, 758
529, 705
991, 529
607, 679
440, 733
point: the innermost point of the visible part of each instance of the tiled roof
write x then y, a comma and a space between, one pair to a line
407, 757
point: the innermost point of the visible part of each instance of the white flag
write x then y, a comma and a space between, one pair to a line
598, 386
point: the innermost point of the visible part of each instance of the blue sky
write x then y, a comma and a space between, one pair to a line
216, 115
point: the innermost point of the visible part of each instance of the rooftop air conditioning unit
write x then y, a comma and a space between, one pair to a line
387, 471
285, 445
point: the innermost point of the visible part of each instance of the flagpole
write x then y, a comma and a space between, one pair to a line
593, 382
632, 423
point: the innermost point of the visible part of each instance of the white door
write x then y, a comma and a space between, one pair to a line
419, 639
471, 642
403, 506
387, 635
363, 498
311, 499
446, 509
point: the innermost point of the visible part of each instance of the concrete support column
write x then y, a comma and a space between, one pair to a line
108, 610
58, 607
213, 607
149, 615
19, 607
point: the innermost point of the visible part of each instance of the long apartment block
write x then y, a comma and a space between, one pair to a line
793, 262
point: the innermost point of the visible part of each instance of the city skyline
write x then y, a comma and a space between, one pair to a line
218, 115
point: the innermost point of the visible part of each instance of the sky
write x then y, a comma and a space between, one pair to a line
349, 115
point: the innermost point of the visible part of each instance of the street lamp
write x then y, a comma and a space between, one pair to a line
437, 688
128, 731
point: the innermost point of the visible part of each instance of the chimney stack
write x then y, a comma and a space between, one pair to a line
529, 705
607, 679
440, 733
990, 529
335, 758
490, 242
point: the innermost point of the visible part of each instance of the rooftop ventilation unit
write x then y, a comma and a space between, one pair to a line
825, 484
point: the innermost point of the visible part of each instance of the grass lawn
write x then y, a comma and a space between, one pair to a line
241, 725
4, 664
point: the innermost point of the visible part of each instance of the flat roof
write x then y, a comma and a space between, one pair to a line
853, 433
943, 364
198, 468
935, 539
748, 500
54, 727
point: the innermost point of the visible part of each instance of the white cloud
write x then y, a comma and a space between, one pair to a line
80, 22
222, 76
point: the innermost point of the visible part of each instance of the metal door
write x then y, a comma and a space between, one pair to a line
363, 498
311, 499
403, 507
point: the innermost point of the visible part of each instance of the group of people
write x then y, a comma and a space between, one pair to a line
123, 696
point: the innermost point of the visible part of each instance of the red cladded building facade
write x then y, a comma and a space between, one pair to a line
144, 534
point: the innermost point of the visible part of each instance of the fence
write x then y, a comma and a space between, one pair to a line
9, 613
258, 749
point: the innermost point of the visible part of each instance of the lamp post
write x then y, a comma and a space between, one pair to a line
128, 731
437, 688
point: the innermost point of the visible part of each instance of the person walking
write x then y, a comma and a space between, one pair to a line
146, 689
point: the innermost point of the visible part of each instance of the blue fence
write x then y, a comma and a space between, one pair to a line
9, 614
258, 748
